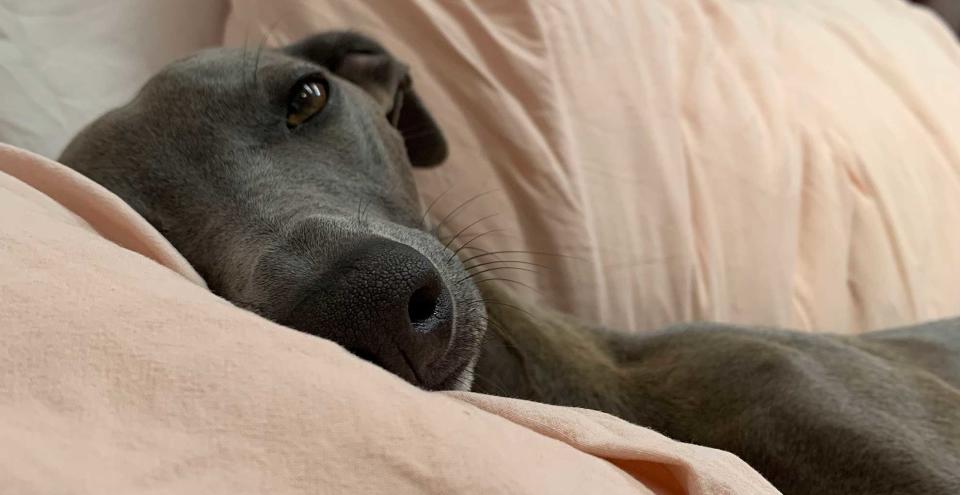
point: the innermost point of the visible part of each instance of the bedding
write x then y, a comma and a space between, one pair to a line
749, 161
121, 373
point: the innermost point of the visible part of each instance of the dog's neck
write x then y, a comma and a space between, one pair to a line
540, 355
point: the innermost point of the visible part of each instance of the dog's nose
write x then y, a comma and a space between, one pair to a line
385, 302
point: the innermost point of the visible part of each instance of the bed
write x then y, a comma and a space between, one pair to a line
758, 162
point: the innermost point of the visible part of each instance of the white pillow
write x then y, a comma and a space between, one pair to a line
62, 62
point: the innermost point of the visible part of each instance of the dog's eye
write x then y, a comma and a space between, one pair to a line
307, 99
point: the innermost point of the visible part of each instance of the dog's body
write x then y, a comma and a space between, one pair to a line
284, 178
814, 413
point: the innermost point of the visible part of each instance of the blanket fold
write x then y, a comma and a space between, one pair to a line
121, 373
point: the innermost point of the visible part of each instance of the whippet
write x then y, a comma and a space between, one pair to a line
284, 177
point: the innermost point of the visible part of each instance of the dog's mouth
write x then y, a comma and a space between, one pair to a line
455, 370
460, 379
452, 371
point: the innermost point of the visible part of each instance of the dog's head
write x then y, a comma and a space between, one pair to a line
284, 176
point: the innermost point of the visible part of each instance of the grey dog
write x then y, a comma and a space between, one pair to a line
284, 177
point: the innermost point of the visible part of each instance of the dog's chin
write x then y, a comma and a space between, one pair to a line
463, 382
460, 379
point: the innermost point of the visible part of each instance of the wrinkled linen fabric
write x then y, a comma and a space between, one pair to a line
750, 161
121, 373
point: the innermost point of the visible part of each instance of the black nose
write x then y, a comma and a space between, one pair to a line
385, 302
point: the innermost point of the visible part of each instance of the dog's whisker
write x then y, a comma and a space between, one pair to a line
458, 208
243, 59
517, 268
445, 238
268, 32
459, 233
256, 60
475, 248
521, 262
454, 254
510, 280
501, 303
363, 212
423, 219
534, 253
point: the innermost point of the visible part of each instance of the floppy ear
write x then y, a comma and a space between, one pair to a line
365, 63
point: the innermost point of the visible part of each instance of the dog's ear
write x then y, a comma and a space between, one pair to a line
365, 63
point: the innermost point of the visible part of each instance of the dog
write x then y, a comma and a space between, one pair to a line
285, 177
